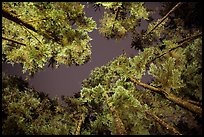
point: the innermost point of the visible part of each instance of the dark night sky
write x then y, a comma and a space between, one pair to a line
67, 80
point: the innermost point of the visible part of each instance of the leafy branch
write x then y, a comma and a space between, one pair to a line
15, 19
183, 103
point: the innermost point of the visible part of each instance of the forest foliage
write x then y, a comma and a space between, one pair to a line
113, 99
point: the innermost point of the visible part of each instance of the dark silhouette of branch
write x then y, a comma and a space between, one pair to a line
173, 9
96, 6
15, 19
183, 103
190, 38
116, 17
13, 41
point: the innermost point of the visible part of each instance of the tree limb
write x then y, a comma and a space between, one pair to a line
183, 41
120, 128
15, 19
173, 9
183, 103
196, 103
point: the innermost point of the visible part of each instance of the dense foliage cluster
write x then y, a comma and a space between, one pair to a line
26, 111
114, 99
37, 33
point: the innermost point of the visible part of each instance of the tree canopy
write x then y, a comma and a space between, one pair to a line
114, 100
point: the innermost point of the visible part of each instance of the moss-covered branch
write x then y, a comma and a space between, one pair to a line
183, 103
163, 123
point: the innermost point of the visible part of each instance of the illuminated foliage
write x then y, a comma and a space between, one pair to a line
36, 34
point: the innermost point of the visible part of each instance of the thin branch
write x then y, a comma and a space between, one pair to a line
13, 41
173, 9
183, 103
182, 42
163, 123
15, 19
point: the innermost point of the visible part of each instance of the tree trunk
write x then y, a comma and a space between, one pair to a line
78, 129
163, 123
119, 126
